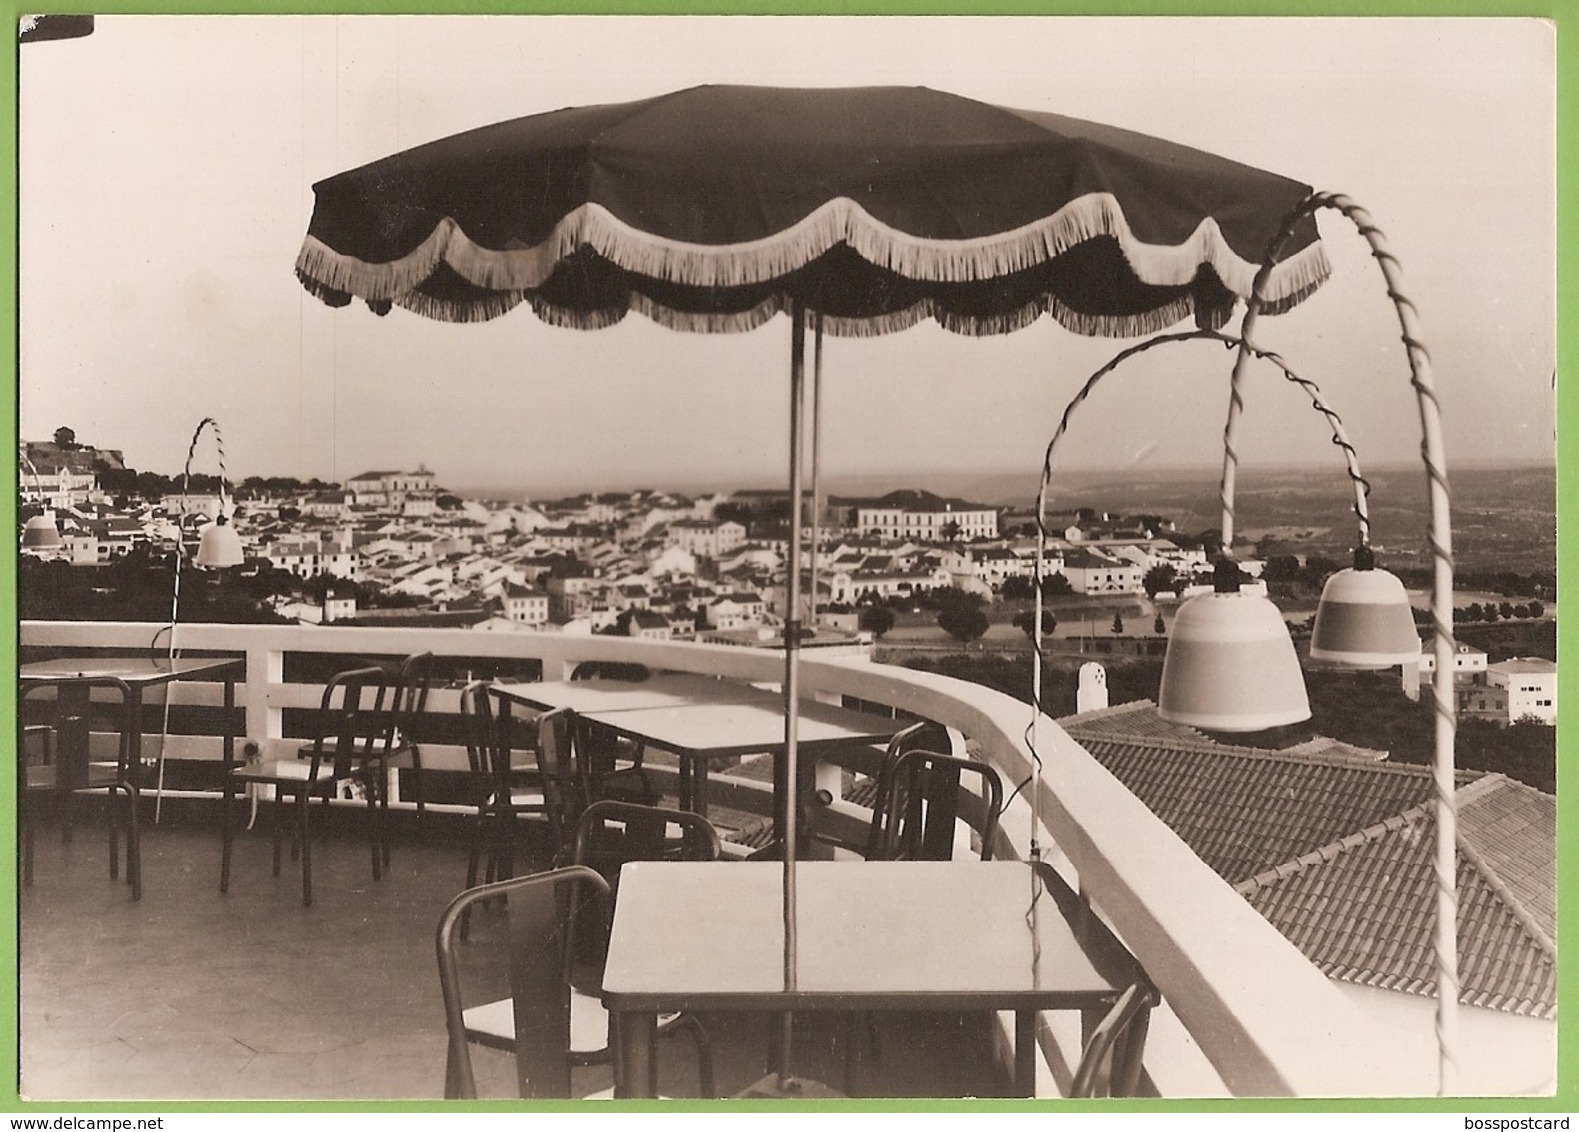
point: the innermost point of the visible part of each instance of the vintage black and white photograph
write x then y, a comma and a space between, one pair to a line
785, 558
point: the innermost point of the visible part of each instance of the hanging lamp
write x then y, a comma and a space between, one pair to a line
41, 533
219, 545
1364, 619
1231, 664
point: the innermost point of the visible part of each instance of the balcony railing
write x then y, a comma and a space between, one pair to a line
1244, 1012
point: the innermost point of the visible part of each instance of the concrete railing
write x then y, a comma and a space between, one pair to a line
1239, 998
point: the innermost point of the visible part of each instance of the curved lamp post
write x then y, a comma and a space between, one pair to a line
1440, 538
219, 547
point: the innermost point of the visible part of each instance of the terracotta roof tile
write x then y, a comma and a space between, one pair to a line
1245, 810
1363, 910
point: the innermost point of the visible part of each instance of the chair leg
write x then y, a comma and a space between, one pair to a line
276, 828
416, 785
452, 1075
307, 852
115, 835
134, 842
376, 834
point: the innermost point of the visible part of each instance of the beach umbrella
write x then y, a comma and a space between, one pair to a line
856, 211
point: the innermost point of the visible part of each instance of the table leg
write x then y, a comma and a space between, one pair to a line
1025, 1053
134, 773
636, 1032
227, 798
699, 787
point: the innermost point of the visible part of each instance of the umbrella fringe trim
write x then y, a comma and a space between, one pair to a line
838, 221
737, 322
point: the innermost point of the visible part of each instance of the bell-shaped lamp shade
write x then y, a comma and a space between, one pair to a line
1231, 666
1364, 620
40, 532
219, 545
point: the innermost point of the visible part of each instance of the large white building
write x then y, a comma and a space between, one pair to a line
922, 515
1529, 685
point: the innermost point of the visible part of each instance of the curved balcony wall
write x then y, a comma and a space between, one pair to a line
1241, 1003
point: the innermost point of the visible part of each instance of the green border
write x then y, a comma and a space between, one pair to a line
1563, 13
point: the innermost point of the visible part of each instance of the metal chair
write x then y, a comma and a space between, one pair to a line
568, 1025
412, 679
354, 723
506, 793
535, 1019
608, 766
921, 807
48, 778
920, 736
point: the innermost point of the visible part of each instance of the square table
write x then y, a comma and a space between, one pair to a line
602, 694
872, 935
76, 677
701, 731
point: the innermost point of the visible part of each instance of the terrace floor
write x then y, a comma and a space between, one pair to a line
190, 995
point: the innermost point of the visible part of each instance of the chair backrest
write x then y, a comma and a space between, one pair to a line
617, 832
539, 907
922, 806
1111, 1062
412, 682
611, 833
477, 714
923, 735
354, 719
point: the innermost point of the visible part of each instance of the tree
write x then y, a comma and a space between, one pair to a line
65, 438
963, 622
1281, 568
1026, 620
1056, 585
950, 530
1017, 588
1159, 626
876, 619
1160, 577
1118, 623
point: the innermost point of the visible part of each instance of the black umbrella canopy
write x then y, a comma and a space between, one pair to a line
715, 207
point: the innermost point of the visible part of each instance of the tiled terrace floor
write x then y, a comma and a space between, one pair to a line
191, 995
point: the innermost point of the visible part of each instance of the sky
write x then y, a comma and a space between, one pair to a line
166, 166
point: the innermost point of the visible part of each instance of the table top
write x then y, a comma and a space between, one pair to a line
142, 671
602, 695
743, 727
871, 935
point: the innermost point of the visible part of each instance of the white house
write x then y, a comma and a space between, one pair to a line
735, 611
525, 606
1530, 687
1091, 573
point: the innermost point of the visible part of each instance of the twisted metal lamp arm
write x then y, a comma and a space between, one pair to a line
175, 588
1339, 439
1440, 537
38, 480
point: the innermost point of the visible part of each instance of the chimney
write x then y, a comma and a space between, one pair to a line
1091, 693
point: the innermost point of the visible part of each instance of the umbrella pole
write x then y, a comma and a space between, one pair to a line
792, 676
816, 469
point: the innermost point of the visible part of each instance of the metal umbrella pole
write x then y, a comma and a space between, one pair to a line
792, 679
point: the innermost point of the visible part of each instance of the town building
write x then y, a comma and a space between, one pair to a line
921, 515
